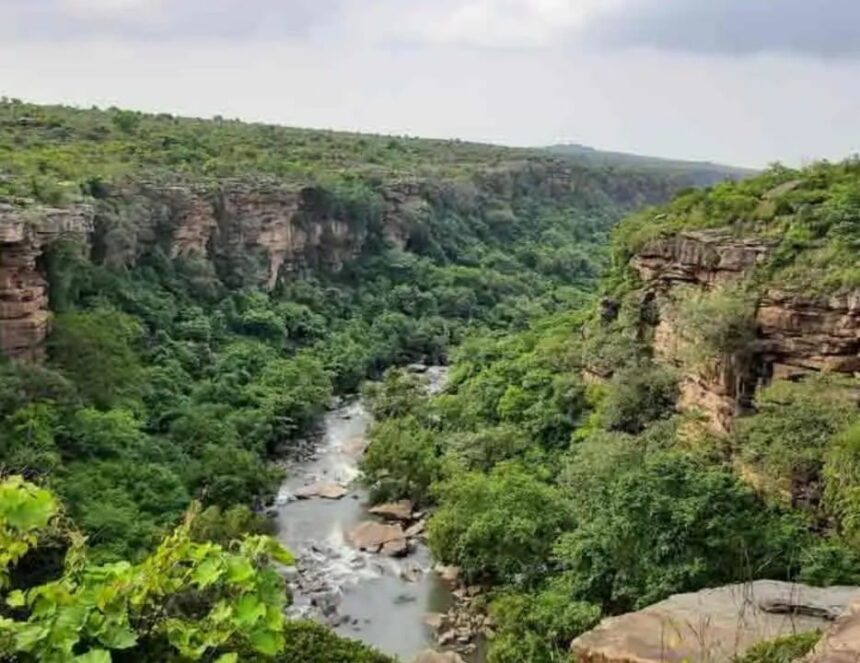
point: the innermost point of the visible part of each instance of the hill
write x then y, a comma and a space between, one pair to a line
700, 173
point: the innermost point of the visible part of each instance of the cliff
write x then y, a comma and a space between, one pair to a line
251, 234
794, 333
24, 316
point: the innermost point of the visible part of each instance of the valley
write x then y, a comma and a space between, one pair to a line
217, 339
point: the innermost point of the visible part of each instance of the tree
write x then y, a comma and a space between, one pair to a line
653, 525
498, 527
96, 350
789, 436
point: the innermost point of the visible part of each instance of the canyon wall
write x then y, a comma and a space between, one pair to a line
251, 234
795, 333
24, 316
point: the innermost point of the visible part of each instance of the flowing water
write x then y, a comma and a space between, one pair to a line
373, 598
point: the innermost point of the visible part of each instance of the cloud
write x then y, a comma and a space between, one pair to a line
496, 24
824, 28
33, 20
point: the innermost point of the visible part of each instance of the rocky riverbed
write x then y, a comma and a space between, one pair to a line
366, 571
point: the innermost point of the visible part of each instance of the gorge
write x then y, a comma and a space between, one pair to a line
641, 403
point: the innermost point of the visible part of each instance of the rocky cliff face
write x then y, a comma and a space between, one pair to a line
24, 316
796, 333
251, 234
255, 233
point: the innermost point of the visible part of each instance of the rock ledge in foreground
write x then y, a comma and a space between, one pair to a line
714, 624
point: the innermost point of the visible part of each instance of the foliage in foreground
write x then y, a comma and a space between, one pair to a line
188, 600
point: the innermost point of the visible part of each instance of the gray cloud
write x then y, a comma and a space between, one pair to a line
29, 20
827, 28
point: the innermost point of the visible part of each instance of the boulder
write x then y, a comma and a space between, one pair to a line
430, 656
448, 573
372, 536
395, 548
841, 642
329, 491
416, 529
716, 625
399, 511
436, 620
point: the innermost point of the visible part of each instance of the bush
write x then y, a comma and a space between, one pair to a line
402, 462
790, 435
538, 627
637, 396
654, 525
785, 649
497, 527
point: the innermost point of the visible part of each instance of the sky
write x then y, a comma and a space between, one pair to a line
744, 82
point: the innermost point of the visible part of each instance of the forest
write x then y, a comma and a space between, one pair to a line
144, 442
137, 458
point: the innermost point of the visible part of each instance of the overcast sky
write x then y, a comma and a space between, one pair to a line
745, 82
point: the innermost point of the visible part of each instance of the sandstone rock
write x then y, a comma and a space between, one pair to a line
429, 656
448, 573
436, 620
329, 491
24, 233
841, 642
372, 536
714, 624
401, 511
704, 257
417, 529
797, 334
395, 548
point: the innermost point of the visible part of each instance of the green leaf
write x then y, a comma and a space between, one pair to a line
207, 572
249, 610
94, 656
118, 637
227, 658
267, 642
239, 570
16, 599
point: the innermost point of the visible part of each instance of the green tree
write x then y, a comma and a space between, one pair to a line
498, 527
96, 350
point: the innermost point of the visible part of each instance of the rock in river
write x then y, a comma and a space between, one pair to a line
430, 656
329, 491
372, 536
401, 511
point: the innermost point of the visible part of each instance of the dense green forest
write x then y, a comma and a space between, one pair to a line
572, 497
174, 380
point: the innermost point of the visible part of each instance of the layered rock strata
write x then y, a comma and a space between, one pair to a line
796, 333
25, 320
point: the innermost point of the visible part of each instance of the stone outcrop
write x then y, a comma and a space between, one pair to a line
328, 491
249, 233
841, 642
372, 536
714, 625
24, 233
704, 257
430, 656
796, 333
399, 511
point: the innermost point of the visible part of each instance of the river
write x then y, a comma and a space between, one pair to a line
380, 600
